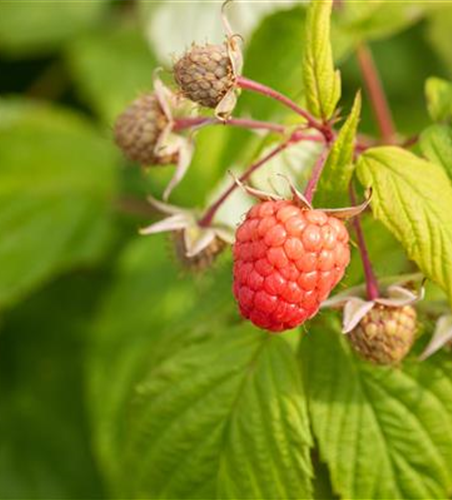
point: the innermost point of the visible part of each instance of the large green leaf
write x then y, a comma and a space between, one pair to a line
56, 187
439, 98
383, 432
413, 198
111, 68
436, 145
339, 167
39, 27
221, 417
322, 83
187, 403
45, 449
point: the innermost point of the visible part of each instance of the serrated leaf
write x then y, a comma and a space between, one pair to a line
413, 198
383, 432
439, 98
339, 167
230, 400
180, 394
55, 194
322, 82
41, 28
436, 145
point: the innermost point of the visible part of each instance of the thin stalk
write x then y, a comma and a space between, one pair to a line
211, 211
184, 123
371, 280
246, 84
315, 176
376, 93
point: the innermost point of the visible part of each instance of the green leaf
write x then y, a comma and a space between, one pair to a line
231, 400
383, 432
339, 167
45, 448
413, 198
439, 34
380, 18
187, 403
439, 98
111, 68
322, 82
436, 145
56, 187
43, 27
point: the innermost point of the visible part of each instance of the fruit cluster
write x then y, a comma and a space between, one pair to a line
288, 256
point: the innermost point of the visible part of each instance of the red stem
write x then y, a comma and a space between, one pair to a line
315, 176
184, 123
376, 93
371, 280
247, 84
211, 211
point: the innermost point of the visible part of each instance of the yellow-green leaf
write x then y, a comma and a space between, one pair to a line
322, 82
413, 198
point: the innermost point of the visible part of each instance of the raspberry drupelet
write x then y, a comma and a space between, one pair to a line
287, 259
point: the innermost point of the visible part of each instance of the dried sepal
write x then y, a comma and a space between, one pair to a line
441, 336
349, 212
198, 244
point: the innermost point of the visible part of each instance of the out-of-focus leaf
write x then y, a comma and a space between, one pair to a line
440, 34
56, 187
386, 253
436, 145
149, 294
294, 164
111, 68
39, 27
413, 198
339, 167
439, 98
321, 81
199, 22
365, 21
45, 449
280, 37
383, 432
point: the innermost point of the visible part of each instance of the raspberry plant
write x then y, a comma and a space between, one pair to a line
289, 335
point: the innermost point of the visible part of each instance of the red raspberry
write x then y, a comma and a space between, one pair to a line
286, 262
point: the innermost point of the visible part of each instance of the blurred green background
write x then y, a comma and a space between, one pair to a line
82, 296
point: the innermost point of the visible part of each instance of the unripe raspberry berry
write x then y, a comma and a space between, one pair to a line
385, 334
287, 260
205, 74
202, 260
138, 129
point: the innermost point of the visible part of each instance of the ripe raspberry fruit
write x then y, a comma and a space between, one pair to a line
138, 129
205, 74
385, 334
287, 260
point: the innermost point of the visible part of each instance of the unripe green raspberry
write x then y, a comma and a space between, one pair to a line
205, 74
138, 129
385, 334
202, 260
